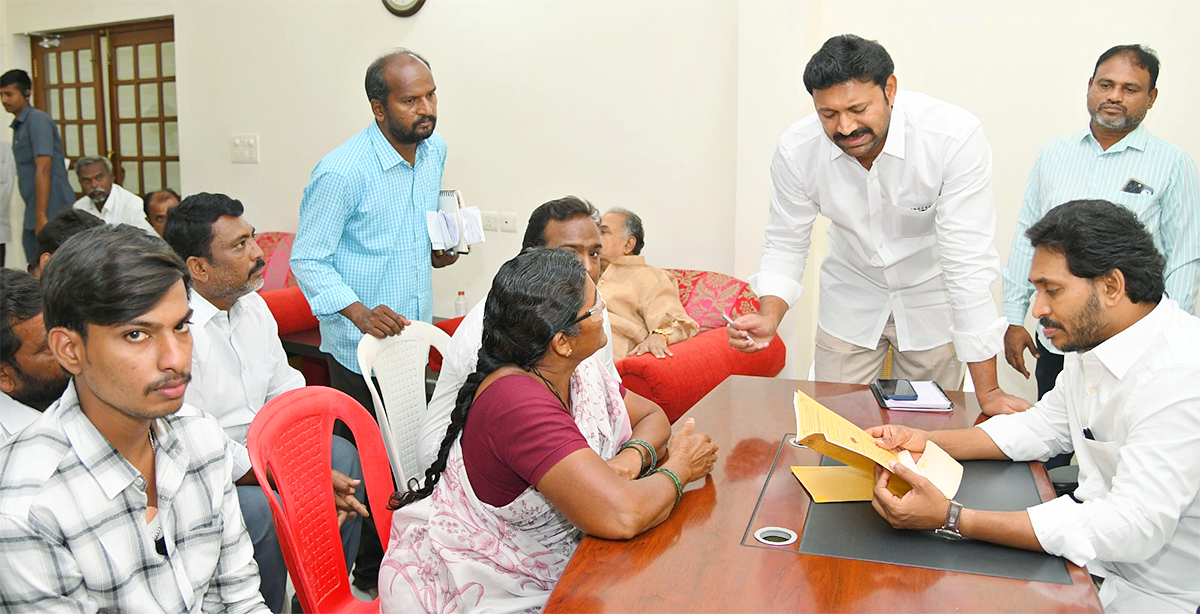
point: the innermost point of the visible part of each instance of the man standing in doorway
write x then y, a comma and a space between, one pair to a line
38, 150
905, 180
362, 253
1114, 158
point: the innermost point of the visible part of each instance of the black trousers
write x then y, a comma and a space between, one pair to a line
370, 548
1047, 370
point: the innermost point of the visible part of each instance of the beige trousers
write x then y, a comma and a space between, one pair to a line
838, 361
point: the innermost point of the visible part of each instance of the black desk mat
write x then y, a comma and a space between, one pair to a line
855, 531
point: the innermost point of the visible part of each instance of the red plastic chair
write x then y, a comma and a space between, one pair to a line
290, 439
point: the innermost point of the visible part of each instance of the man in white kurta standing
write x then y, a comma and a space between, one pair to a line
905, 180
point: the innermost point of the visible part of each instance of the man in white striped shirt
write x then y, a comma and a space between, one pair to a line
1116, 159
118, 498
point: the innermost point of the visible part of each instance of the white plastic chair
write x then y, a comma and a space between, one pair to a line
399, 364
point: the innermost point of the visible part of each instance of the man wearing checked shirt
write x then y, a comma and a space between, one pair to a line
1116, 159
362, 253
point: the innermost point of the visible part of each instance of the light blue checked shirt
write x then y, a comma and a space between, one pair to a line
1075, 167
363, 235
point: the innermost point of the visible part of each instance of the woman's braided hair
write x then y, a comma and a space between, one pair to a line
534, 296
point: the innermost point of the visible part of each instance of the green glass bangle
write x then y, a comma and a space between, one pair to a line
630, 444
650, 449
674, 478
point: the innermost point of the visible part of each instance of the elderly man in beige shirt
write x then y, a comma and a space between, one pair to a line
643, 301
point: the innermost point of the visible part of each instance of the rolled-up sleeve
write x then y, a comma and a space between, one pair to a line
326, 207
966, 229
788, 234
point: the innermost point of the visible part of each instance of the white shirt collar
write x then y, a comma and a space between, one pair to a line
1121, 351
202, 310
15, 415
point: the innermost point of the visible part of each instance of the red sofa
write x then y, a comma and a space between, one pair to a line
700, 363
676, 383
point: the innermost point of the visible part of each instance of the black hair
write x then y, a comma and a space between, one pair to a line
18, 78
148, 199
534, 296
633, 228
108, 275
189, 227
561, 210
19, 301
1140, 55
848, 58
1096, 237
68, 223
376, 86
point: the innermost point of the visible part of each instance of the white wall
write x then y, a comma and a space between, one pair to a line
669, 107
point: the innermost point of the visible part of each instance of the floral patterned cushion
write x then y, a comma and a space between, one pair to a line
707, 295
277, 250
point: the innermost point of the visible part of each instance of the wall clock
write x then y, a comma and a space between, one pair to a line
403, 8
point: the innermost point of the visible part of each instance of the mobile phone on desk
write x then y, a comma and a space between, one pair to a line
897, 389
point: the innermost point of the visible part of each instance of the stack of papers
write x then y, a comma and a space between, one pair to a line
930, 397
453, 227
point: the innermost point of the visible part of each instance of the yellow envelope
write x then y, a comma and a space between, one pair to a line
835, 484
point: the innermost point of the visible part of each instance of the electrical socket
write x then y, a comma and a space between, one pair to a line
491, 220
508, 222
243, 148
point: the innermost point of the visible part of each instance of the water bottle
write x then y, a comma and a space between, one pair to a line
460, 304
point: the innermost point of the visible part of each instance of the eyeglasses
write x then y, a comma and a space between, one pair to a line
593, 313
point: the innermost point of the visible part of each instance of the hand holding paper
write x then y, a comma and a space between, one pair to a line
832, 435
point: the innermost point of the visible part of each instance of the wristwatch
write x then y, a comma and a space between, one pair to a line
949, 529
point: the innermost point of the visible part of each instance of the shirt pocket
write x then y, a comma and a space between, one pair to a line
903, 222
1099, 459
200, 546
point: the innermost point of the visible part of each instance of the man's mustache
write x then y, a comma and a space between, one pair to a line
852, 135
170, 381
258, 266
1048, 323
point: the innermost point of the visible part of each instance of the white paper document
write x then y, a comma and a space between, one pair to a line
451, 227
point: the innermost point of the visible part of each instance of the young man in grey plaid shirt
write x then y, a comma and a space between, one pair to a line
118, 498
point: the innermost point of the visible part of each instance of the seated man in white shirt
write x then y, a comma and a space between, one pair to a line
105, 199
238, 363
118, 498
30, 378
569, 223
1127, 403
61, 227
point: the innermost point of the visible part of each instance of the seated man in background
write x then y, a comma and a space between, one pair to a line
118, 498
156, 205
30, 378
642, 300
568, 223
61, 227
1128, 404
238, 364
105, 199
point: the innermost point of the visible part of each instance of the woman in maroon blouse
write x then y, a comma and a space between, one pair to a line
522, 472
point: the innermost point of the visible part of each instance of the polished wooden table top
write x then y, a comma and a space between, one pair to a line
695, 561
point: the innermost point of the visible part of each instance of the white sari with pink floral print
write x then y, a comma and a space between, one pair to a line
451, 552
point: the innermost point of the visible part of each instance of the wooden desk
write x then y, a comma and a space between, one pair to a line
695, 561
